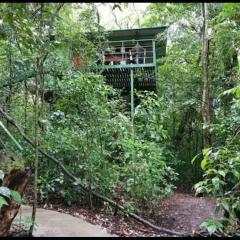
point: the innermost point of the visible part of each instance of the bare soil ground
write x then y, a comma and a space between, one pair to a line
184, 212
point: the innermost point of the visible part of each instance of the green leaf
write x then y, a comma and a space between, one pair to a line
199, 190
16, 196
211, 229
204, 163
216, 182
4, 191
207, 151
222, 173
2, 202
193, 160
226, 205
199, 184
211, 170
236, 174
211, 225
237, 91
77, 182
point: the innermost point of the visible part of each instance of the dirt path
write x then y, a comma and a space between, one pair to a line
184, 212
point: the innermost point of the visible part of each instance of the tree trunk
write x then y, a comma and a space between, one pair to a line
206, 103
17, 180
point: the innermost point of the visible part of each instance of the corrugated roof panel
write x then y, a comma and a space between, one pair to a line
135, 33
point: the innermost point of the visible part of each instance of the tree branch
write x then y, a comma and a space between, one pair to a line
22, 76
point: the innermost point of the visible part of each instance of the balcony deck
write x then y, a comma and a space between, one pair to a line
123, 66
117, 62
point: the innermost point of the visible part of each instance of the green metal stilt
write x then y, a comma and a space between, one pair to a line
132, 118
132, 111
132, 97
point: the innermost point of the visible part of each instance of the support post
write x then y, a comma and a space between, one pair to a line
132, 118
154, 59
132, 96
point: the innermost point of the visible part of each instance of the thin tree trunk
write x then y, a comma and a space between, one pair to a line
206, 104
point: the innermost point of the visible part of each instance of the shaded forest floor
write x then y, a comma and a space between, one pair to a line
180, 212
184, 212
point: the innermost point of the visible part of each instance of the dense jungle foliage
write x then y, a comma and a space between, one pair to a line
73, 115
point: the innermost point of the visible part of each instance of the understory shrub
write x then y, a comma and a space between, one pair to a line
95, 140
221, 167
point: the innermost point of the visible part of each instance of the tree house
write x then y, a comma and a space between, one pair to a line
129, 59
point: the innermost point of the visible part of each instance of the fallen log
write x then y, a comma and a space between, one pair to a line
77, 182
16, 180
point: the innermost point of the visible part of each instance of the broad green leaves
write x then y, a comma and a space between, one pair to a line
16, 196
92, 135
221, 178
2, 201
6, 193
211, 226
206, 160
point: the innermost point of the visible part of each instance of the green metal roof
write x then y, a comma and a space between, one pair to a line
137, 33
129, 34
147, 33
